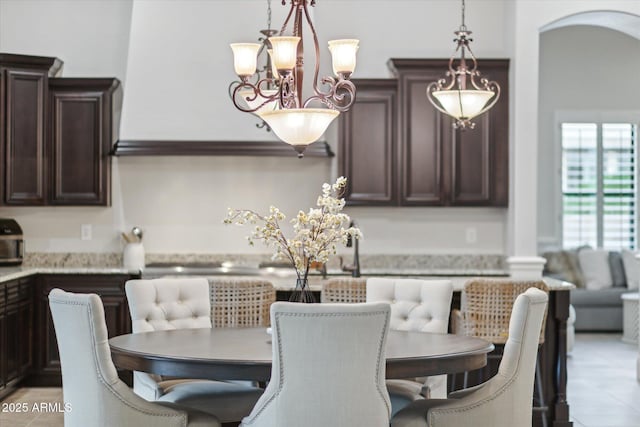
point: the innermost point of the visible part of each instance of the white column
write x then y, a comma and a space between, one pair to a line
523, 263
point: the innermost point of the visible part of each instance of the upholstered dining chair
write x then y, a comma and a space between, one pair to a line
241, 303
416, 305
183, 303
345, 290
90, 382
505, 399
328, 367
485, 312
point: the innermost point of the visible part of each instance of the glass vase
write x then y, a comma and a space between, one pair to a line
302, 293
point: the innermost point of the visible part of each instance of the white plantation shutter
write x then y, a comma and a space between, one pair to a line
598, 185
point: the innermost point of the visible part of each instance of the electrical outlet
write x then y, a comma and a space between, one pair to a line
472, 235
86, 232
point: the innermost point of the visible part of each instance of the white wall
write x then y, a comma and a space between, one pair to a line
178, 66
90, 36
529, 18
573, 78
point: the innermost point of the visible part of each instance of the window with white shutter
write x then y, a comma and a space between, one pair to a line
599, 185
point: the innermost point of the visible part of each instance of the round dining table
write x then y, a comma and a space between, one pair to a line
245, 353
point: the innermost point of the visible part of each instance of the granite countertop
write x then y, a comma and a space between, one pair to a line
11, 273
286, 280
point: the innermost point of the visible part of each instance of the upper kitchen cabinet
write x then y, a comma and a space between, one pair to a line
23, 99
368, 144
84, 120
56, 134
428, 163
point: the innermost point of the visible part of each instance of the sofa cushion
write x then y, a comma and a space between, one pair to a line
631, 268
599, 298
595, 267
564, 265
617, 269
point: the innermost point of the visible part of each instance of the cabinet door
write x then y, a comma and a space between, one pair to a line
420, 142
24, 136
3, 340
16, 330
368, 144
443, 166
111, 290
478, 158
80, 122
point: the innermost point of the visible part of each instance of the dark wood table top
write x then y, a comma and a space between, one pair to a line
245, 353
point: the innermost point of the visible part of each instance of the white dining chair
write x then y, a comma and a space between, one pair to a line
416, 305
90, 383
328, 367
183, 303
505, 399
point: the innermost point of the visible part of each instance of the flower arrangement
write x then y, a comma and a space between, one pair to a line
316, 233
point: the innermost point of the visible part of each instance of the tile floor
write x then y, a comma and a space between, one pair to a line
602, 389
12, 414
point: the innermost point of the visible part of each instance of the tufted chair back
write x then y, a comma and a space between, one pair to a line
416, 305
160, 304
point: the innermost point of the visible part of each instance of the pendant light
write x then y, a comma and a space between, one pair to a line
463, 94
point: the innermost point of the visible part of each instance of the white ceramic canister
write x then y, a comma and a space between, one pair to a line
133, 256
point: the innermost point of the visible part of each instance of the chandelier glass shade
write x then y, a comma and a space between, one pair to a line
299, 127
463, 94
277, 98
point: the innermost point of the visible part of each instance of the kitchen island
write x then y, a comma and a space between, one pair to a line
31, 347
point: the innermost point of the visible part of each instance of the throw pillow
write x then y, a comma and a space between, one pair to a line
595, 267
631, 268
556, 263
616, 265
563, 265
575, 272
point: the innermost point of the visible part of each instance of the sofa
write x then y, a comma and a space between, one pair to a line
601, 277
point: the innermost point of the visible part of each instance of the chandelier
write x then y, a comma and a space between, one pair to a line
277, 99
459, 94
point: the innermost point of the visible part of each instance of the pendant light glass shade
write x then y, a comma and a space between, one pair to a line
463, 104
343, 55
245, 58
284, 52
299, 126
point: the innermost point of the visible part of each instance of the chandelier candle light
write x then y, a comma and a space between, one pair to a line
459, 95
268, 70
277, 99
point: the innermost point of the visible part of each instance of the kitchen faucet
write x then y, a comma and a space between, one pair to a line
355, 267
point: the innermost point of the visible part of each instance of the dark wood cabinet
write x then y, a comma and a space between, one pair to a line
368, 159
23, 95
414, 157
16, 332
56, 134
84, 124
110, 288
421, 143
